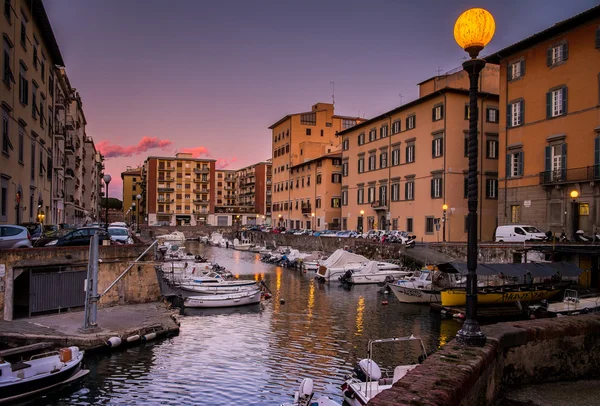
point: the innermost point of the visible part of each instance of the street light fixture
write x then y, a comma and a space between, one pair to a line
575, 212
279, 223
473, 30
312, 223
107, 178
444, 208
138, 198
362, 213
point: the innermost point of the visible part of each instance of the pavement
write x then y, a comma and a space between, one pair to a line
580, 393
64, 328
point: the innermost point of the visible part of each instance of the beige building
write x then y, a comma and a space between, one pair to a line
225, 188
401, 167
298, 138
62, 92
29, 53
132, 187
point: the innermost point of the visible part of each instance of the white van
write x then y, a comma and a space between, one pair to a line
518, 233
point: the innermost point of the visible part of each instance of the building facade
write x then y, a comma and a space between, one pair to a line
550, 127
298, 138
132, 187
29, 53
179, 190
400, 168
91, 188
62, 92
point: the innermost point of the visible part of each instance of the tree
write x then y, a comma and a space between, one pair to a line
113, 203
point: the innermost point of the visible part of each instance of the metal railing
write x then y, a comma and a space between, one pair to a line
563, 176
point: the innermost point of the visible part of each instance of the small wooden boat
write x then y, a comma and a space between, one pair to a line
42, 372
224, 300
501, 295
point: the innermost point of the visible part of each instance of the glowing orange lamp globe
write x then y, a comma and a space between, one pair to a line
473, 30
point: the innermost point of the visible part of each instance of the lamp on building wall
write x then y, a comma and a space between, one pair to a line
444, 209
107, 178
138, 198
360, 223
312, 223
473, 30
575, 212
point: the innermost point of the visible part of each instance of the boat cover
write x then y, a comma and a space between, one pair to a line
370, 268
536, 270
341, 258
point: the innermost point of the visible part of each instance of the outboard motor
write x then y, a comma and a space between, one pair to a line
305, 393
410, 243
346, 277
367, 369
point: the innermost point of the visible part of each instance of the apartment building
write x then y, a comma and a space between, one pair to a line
27, 98
225, 187
62, 92
401, 167
315, 194
298, 138
179, 190
550, 100
132, 187
91, 188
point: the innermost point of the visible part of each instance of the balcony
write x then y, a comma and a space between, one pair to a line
203, 170
166, 179
166, 169
162, 201
566, 176
268, 193
306, 209
70, 123
166, 189
379, 205
69, 148
200, 201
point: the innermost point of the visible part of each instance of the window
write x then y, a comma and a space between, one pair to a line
308, 119
7, 10
308, 131
395, 189
382, 195
345, 169
466, 188
436, 188
335, 202
437, 113
556, 102
514, 165
23, 34
557, 54
467, 112
336, 178
347, 123
3, 199
372, 162
361, 139
41, 161
516, 70
383, 131
491, 188
410, 153
23, 86
34, 100
319, 179
491, 115
6, 144
515, 113
429, 222
409, 190
466, 224
466, 145
346, 144
556, 162
409, 225
515, 213
437, 147
372, 135
396, 157
361, 165
360, 196
491, 150
383, 160
411, 122
35, 54
396, 127
33, 161
322, 133
7, 75
344, 198
371, 194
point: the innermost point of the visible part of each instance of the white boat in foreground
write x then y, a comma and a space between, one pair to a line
304, 396
224, 300
373, 272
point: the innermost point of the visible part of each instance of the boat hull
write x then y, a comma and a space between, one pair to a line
242, 247
457, 297
413, 295
227, 300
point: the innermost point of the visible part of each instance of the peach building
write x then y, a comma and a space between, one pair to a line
401, 167
299, 138
132, 187
550, 127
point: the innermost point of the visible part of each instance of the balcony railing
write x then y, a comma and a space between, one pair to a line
166, 189
166, 200
379, 205
306, 209
166, 179
565, 176
201, 170
167, 169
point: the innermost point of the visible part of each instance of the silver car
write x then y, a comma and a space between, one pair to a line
14, 237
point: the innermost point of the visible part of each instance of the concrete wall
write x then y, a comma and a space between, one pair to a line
140, 284
189, 231
516, 353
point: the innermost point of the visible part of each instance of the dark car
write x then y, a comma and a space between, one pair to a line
35, 230
81, 236
52, 236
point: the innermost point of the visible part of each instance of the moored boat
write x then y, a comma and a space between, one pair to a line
175, 236
224, 300
304, 396
243, 245
501, 295
373, 272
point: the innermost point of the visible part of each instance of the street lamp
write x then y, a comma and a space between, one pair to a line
473, 30
280, 220
444, 208
312, 223
133, 214
107, 178
575, 215
138, 198
360, 225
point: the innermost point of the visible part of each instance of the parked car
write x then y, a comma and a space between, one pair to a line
81, 236
35, 230
120, 235
343, 234
51, 236
518, 233
14, 237
116, 224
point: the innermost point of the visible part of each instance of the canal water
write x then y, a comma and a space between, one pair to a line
258, 355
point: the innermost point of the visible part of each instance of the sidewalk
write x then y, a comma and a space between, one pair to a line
63, 329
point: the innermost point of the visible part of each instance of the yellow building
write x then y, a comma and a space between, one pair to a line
27, 100
298, 138
401, 167
550, 100
132, 187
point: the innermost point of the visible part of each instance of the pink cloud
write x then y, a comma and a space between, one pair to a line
196, 152
146, 143
223, 163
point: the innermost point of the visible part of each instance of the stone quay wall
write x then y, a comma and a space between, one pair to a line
516, 354
139, 285
190, 232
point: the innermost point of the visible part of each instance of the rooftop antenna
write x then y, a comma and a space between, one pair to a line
439, 71
401, 97
332, 92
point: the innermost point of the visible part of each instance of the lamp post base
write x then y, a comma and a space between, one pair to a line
470, 335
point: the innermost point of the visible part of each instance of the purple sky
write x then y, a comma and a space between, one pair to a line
213, 75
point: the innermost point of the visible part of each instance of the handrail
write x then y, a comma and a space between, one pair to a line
127, 270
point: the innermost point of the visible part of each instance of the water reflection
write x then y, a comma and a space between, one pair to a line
318, 331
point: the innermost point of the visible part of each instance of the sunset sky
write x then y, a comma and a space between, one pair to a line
210, 76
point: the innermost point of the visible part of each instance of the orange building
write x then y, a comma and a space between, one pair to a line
401, 167
132, 187
550, 100
225, 187
299, 138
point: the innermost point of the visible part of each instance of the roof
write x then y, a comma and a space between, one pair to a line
548, 33
39, 15
414, 103
331, 155
173, 158
308, 112
537, 270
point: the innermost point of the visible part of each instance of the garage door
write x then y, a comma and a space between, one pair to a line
222, 221
251, 220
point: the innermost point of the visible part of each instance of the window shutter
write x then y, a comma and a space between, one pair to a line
432, 187
406, 158
433, 148
548, 161
522, 67
549, 57
509, 115
597, 37
441, 147
467, 112
508, 156
466, 146
441, 181
509, 72
548, 104
442, 111
596, 157
520, 162
522, 112
407, 127
565, 51
466, 187
414, 121
563, 162
433, 114
564, 100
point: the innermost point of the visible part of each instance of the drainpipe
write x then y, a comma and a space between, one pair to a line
388, 197
444, 155
505, 144
481, 149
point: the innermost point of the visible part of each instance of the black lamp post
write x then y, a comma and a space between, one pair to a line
107, 178
473, 31
575, 212
444, 208
133, 214
361, 225
139, 209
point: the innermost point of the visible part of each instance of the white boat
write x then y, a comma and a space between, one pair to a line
224, 300
175, 236
373, 272
257, 248
243, 245
215, 239
572, 304
304, 396
342, 261
368, 380
42, 372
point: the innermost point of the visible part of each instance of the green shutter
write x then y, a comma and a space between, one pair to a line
466, 187
549, 57
508, 156
522, 112
432, 187
442, 111
509, 72
563, 162
564, 100
433, 114
441, 147
521, 163
565, 51
548, 166
548, 104
522, 67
